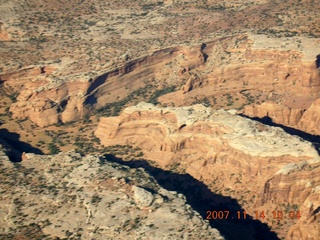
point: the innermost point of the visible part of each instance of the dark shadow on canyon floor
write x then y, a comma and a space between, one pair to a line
16, 147
318, 61
201, 199
314, 139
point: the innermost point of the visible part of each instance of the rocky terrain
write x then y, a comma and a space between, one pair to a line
67, 196
227, 152
80, 56
223, 72
72, 75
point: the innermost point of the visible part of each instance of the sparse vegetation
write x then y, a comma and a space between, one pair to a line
159, 92
53, 148
80, 40
114, 108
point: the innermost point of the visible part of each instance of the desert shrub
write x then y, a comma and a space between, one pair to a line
53, 149
154, 97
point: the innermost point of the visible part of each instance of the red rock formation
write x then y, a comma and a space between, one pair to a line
230, 65
297, 184
193, 82
208, 144
277, 112
307, 120
52, 105
310, 120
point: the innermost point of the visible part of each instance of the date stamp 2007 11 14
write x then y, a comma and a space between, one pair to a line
279, 215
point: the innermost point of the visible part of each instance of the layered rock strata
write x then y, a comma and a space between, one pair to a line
239, 65
306, 120
209, 143
297, 184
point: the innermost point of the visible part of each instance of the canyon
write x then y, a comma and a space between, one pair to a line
224, 72
184, 107
228, 153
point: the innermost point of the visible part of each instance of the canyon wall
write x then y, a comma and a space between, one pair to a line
232, 151
306, 120
240, 66
297, 184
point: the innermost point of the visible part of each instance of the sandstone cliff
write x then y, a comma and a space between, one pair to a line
277, 112
297, 184
71, 59
220, 147
305, 119
235, 71
309, 121
167, 130
69, 196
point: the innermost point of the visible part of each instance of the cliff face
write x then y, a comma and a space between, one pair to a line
226, 149
300, 109
56, 104
41, 98
174, 129
293, 181
305, 119
243, 66
309, 121
277, 112
297, 184
308, 226
67, 195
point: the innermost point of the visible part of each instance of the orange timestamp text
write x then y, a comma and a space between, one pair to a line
242, 215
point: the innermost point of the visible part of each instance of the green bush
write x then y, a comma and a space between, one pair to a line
53, 148
154, 97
